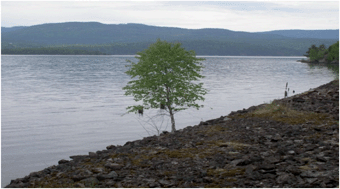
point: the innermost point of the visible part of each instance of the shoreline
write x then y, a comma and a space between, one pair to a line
334, 62
247, 148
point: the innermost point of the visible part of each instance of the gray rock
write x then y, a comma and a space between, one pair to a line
311, 174
110, 183
63, 161
267, 166
292, 169
98, 170
90, 182
81, 174
111, 147
34, 174
92, 154
273, 159
165, 183
79, 185
321, 158
240, 162
264, 154
207, 179
78, 158
311, 180
113, 166
283, 179
112, 175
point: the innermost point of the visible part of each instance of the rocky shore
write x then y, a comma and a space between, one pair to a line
291, 142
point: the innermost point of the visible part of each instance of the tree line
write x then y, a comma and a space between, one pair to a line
316, 53
234, 47
49, 51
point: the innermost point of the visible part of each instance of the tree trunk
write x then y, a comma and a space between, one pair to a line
169, 103
173, 128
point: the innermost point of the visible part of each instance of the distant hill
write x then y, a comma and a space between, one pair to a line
131, 38
4, 29
317, 34
97, 33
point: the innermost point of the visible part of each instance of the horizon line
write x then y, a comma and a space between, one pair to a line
162, 26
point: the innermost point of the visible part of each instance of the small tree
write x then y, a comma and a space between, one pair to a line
333, 52
164, 79
313, 54
309, 50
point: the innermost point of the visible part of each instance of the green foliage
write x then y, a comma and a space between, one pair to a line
313, 54
164, 75
333, 52
316, 53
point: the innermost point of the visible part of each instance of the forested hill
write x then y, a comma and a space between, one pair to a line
97, 33
131, 38
4, 29
316, 34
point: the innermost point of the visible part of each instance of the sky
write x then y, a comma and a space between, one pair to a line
250, 16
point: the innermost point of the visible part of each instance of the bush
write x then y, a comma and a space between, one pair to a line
333, 52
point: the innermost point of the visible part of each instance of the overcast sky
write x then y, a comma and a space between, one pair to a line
248, 16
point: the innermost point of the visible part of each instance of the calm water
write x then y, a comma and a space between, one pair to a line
57, 106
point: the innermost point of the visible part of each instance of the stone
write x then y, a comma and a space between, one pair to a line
283, 179
111, 147
63, 161
267, 166
292, 169
264, 154
112, 175
92, 154
78, 158
240, 162
113, 166
79, 185
207, 179
299, 100
310, 174
81, 174
321, 158
152, 185
90, 182
34, 174
223, 144
165, 183
98, 170
226, 119
311, 180
273, 159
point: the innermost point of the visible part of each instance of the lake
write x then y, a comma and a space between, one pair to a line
57, 106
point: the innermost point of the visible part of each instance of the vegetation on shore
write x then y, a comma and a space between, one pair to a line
321, 54
49, 51
230, 47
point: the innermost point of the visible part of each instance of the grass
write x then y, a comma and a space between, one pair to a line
282, 113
